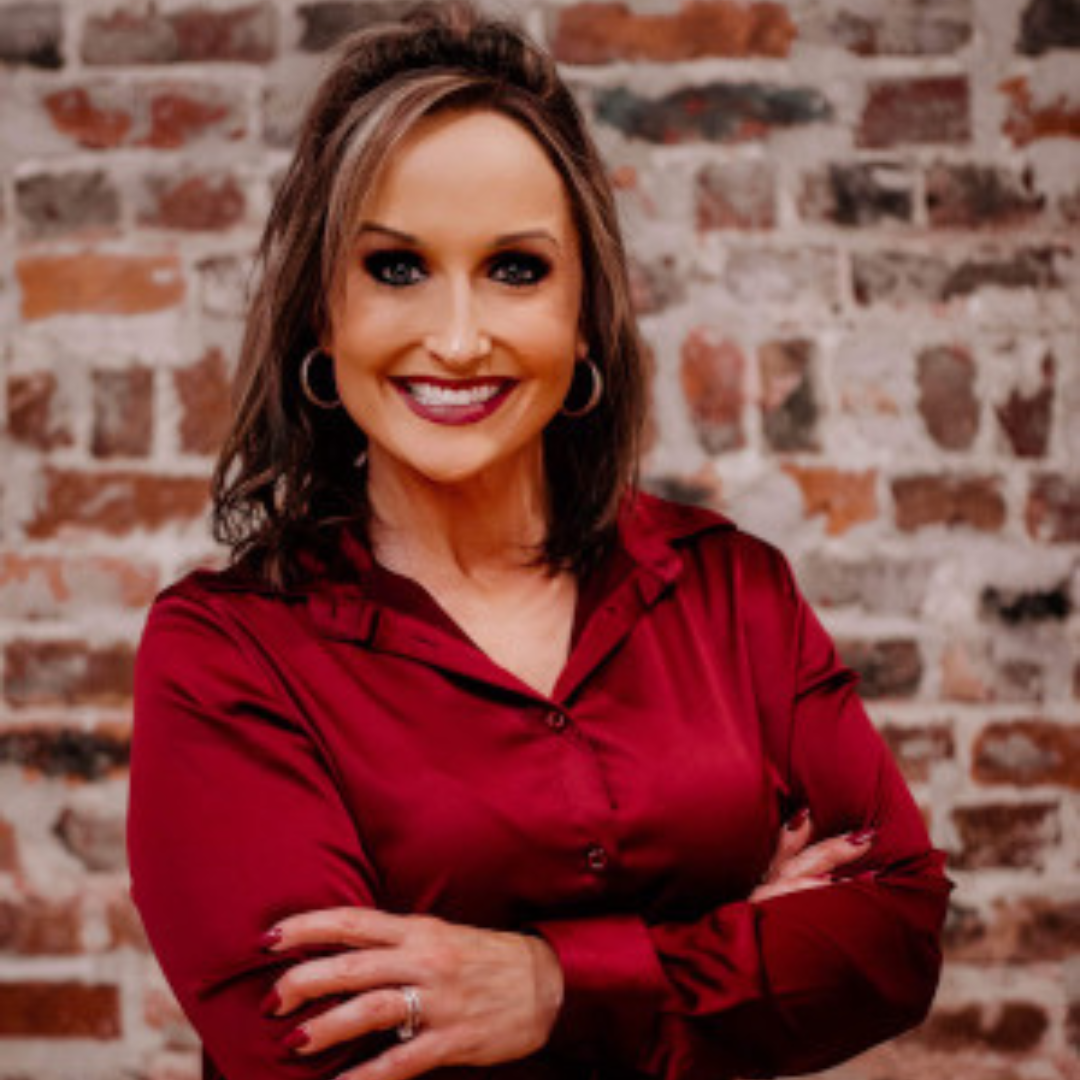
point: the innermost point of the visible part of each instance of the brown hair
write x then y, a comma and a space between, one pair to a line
286, 471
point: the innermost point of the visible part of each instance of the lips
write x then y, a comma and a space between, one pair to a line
453, 401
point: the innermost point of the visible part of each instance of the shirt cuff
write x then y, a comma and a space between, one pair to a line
612, 987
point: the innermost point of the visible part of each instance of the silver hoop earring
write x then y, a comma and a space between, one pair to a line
595, 394
305, 384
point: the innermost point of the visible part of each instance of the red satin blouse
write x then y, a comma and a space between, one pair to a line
349, 745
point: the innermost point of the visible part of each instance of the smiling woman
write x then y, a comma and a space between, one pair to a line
476, 757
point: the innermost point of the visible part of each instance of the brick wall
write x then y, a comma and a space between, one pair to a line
855, 231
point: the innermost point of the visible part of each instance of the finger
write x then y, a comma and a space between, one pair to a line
412, 1058
351, 972
825, 856
379, 1010
355, 926
793, 837
783, 888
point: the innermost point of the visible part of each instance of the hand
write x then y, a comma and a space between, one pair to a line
486, 996
796, 866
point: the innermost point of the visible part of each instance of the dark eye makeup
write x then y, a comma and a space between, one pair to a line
401, 267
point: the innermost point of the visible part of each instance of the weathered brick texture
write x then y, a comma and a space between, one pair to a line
854, 238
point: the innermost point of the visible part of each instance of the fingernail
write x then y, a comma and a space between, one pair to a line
271, 1003
798, 819
863, 836
296, 1039
271, 939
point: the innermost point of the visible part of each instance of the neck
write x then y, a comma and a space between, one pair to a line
478, 528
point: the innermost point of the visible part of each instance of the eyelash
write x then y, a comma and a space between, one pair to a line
384, 267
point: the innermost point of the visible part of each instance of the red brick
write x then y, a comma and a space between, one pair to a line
712, 374
1027, 122
973, 502
74, 754
1009, 1027
1053, 509
204, 394
900, 29
123, 423
179, 115
947, 398
974, 196
9, 851
736, 196
917, 748
1049, 24
97, 283
891, 668
846, 499
1005, 835
34, 926
57, 587
1025, 418
125, 927
98, 117
862, 193
1016, 931
67, 673
36, 415
789, 405
1022, 752
192, 203
917, 110
599, 33
114, 502
96, 839
59, 1010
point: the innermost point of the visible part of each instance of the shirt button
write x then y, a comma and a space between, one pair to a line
555, 720
597, 859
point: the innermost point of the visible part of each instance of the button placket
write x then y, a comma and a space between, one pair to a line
556, 720
596, 858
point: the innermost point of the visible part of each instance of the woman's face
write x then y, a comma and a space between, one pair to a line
456, 334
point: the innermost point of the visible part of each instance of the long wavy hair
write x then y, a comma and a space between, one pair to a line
286, 472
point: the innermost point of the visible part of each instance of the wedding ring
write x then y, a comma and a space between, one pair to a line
410, 1026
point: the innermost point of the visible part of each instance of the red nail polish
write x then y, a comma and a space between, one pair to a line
271, 939
863, 836
798, 819
296, 1039
271, 1003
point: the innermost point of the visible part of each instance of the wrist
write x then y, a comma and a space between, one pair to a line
550, 985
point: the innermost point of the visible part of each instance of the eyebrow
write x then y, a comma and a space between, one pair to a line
500, 241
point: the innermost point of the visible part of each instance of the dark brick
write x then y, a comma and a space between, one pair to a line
1012, 836
1024, 752
715, 112
902, 29
1012, 1027
36, 414
31, 33
1049, 24
917, 748
975, 502
740, 195
65, 752
918, 110
95, 839
712, 375
123, 424
1019, 680
59, 1010
877, 584
191, 203
599, 33
789, 405
67, 673
325, 24
1030, 268
859, 194
52, 205
197, 34
973, 196
947, 400
1016, 607
886, 669
656, 284
689, 491
1072, 1026
1024, 931
1025, 419
1027, 121
1053, 509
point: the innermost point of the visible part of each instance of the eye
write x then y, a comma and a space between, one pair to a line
395, 268
519, 268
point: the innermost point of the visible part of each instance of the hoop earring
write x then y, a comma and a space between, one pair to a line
595, 394
305, 384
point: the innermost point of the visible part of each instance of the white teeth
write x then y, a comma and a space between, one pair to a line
429, 394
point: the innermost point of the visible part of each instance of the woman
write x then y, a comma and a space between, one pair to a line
475, 757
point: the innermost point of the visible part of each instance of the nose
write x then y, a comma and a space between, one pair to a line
458, 340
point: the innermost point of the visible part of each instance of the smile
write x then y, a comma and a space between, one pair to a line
453, 401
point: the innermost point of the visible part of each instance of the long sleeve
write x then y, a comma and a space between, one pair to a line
234, 823
799, 982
